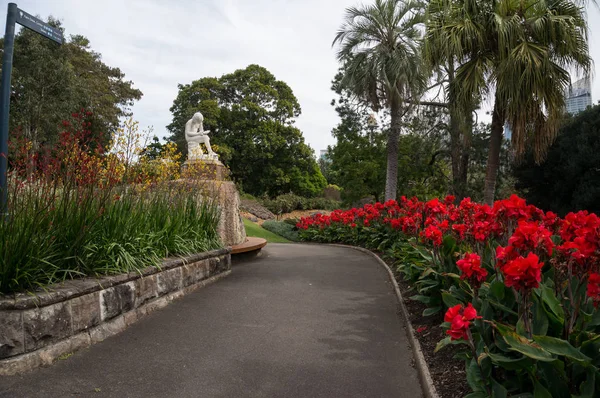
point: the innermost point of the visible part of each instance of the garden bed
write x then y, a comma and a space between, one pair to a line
448, 373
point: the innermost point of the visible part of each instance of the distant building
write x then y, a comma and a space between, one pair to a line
323, 155
579, 96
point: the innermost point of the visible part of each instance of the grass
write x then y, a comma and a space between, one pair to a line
255, 230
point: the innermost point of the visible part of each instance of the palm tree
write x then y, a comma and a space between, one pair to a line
379, 48
522, 52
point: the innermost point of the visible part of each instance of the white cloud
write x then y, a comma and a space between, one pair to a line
159, 43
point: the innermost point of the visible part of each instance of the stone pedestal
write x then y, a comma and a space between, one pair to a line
205, 169
213, 180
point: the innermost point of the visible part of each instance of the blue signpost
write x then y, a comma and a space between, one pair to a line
14, 16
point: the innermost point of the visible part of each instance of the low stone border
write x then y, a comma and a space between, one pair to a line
422, 368
35, 330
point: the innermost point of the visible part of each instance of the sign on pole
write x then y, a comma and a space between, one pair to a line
39, 26
14, 15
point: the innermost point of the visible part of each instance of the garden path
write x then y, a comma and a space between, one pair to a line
297, 321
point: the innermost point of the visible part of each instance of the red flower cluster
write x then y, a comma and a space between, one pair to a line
523, 273
460, 319
593, 288
470, 266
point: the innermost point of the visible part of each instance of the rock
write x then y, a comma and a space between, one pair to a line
46, 325
11, 333
85, 311
117, 300
169, 281
255, 208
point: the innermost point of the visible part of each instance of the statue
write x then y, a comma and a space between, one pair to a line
195, 135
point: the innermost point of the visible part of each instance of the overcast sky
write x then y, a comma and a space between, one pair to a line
160, 43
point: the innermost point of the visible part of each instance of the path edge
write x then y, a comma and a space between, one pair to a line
422, 369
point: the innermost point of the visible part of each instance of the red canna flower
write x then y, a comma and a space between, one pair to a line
460, 319
523, 273
470, 266
593, 288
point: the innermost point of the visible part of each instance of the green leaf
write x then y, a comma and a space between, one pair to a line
502, 307
552, 302
540, 319
523, 345
420, 298
588, 386
474, 376
539, 391
442, 343
497, 290
498, 390
560, 347
450, 300
510, 363
431, 311
478, 394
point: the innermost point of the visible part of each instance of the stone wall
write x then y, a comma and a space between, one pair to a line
37, 329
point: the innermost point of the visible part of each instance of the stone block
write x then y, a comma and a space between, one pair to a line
117, 300
107, 329
169, 281
146, 288
85, 311
11, 333
46, 325
195, 272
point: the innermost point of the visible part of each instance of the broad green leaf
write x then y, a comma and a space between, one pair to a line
539, 391
497, 290
474, 376
421, 299
450, 300
498, 390
555, 378
442, 343
560, 347
510, 363
431, 311
588, 386
540, 319
552, 302
523, 345
502, 307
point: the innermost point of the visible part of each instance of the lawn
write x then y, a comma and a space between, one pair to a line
253, 229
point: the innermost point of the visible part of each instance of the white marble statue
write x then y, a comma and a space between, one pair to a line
195, 135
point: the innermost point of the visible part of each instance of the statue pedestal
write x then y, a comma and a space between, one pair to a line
208, 169
212, 177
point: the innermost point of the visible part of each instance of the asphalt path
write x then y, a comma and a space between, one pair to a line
297, 321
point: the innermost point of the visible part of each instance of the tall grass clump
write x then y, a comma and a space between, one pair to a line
77, 209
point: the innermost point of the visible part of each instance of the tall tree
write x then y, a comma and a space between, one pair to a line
379, 48
521, 52
51, 81
251, 117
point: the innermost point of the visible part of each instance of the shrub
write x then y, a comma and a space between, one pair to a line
290, 202
71, 214
520, 288
284, 229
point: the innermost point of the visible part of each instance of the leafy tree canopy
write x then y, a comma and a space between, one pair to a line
569, 179
251, 115
357, 163
51, 81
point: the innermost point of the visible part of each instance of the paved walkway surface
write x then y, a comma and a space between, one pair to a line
300, 321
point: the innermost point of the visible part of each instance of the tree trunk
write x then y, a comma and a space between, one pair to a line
467, 132
391, 177
494, 152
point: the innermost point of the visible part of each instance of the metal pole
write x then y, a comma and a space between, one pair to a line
9, 42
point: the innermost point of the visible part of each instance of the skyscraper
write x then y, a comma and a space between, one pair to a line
579, 96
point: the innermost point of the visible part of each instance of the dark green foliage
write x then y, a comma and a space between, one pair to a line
569, 179
284, 229
50, 81
250, 115
357, 163
289, 202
